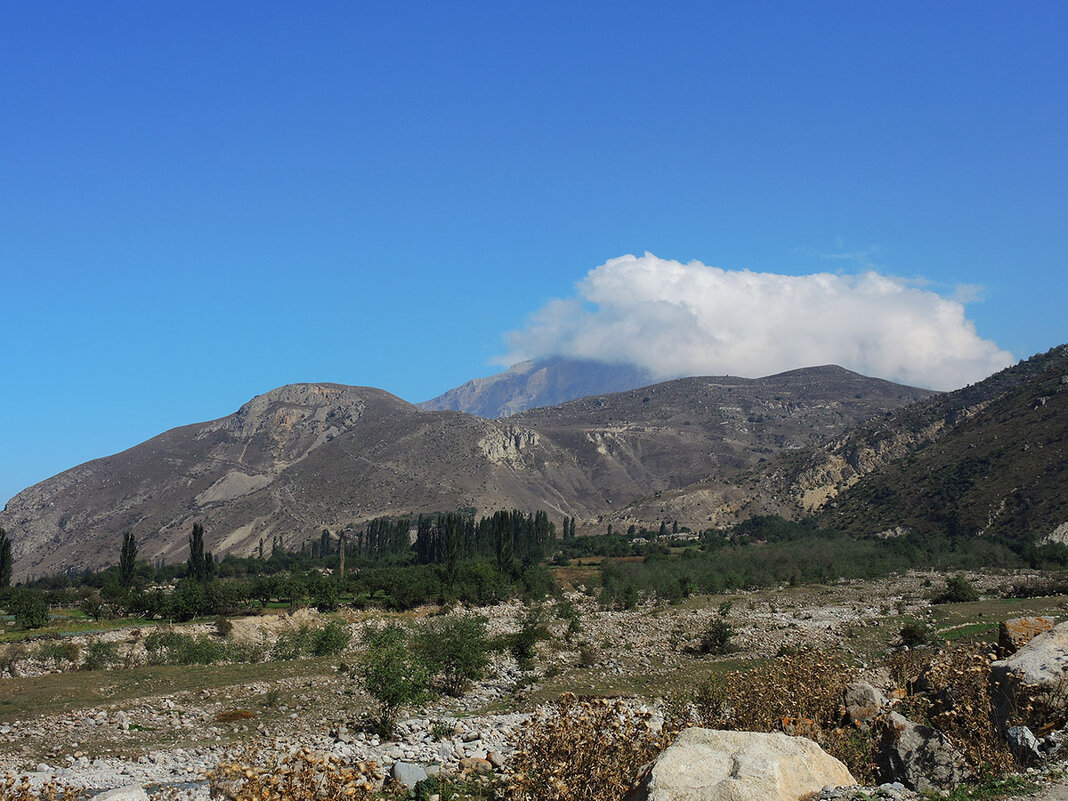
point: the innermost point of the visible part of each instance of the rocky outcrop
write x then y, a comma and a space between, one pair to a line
711, 765
921, 757
1031, 686
1016, 632
863, 702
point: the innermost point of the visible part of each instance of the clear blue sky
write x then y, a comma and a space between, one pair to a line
202, 201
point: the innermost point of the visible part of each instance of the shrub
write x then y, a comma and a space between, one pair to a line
716, 639
455, 651
521, 644
291, 644
958, 590
392, 674
59, 652
223, 626
12, 789
330, 640
913, 634
10, 656
167, 646
29, 609
582, 751
301, 776
100, 655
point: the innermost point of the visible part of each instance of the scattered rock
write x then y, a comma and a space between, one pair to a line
1024, 745
919, 756
1013, 634
131, 793
408, 773
711, 765
863, 702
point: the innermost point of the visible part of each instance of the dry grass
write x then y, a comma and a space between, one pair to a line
583, 750
12, 789
301, 777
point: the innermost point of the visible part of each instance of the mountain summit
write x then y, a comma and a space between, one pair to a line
542, 382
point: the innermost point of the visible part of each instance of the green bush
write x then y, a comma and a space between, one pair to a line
330, 640
391, 674
913, 634
291, 644
29, 609
456, 651
170, 647
59, 651
958, 590
522, 644
716, 639
100, 655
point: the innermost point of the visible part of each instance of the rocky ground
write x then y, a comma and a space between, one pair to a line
167, 740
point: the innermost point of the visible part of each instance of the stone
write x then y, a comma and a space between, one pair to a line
1031, 684
1024, 745
921, 757
863, 702
495, 759
132, 793
408, 773
476, 765
1016, 632
713, 765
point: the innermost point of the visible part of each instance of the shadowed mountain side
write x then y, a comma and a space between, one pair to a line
989, 458
544, 382
304, 457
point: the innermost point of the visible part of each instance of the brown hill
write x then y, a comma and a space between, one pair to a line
308, 456
985, 459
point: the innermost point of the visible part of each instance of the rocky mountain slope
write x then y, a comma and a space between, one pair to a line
308, 456
987, 458
544, 382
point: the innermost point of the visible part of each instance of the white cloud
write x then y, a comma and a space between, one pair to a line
691, 319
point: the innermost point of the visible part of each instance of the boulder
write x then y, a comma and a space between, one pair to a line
863, 702
1029, 687
1016, 632
919, 756
1024, 745
712, 765
408, 773
131, 793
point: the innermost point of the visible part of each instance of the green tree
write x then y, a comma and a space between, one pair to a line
127, 559
195, 565
455, 651
6, 560
392, 674
29, 609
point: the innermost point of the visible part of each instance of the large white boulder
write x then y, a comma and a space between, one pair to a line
713, 765
1031, 684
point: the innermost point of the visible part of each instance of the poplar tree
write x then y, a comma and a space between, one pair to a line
6, 560
127, 559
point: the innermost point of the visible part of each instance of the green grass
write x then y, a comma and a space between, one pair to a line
57, 693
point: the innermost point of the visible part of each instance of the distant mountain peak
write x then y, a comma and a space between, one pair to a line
536, 383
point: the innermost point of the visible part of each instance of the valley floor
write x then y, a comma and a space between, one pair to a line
168, 724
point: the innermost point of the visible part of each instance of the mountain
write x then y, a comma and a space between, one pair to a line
307, 456
988, 459
530, 384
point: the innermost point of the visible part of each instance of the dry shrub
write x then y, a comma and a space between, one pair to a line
800, 691
957, 683
301, 777
12, 789
587, 750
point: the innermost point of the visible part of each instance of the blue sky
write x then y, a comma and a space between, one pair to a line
202, 201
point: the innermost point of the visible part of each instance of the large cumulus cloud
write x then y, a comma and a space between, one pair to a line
679, 319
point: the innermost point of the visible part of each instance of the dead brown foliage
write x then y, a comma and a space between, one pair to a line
12, 789
583, 750
301, 777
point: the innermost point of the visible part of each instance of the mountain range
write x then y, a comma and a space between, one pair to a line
305, 457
